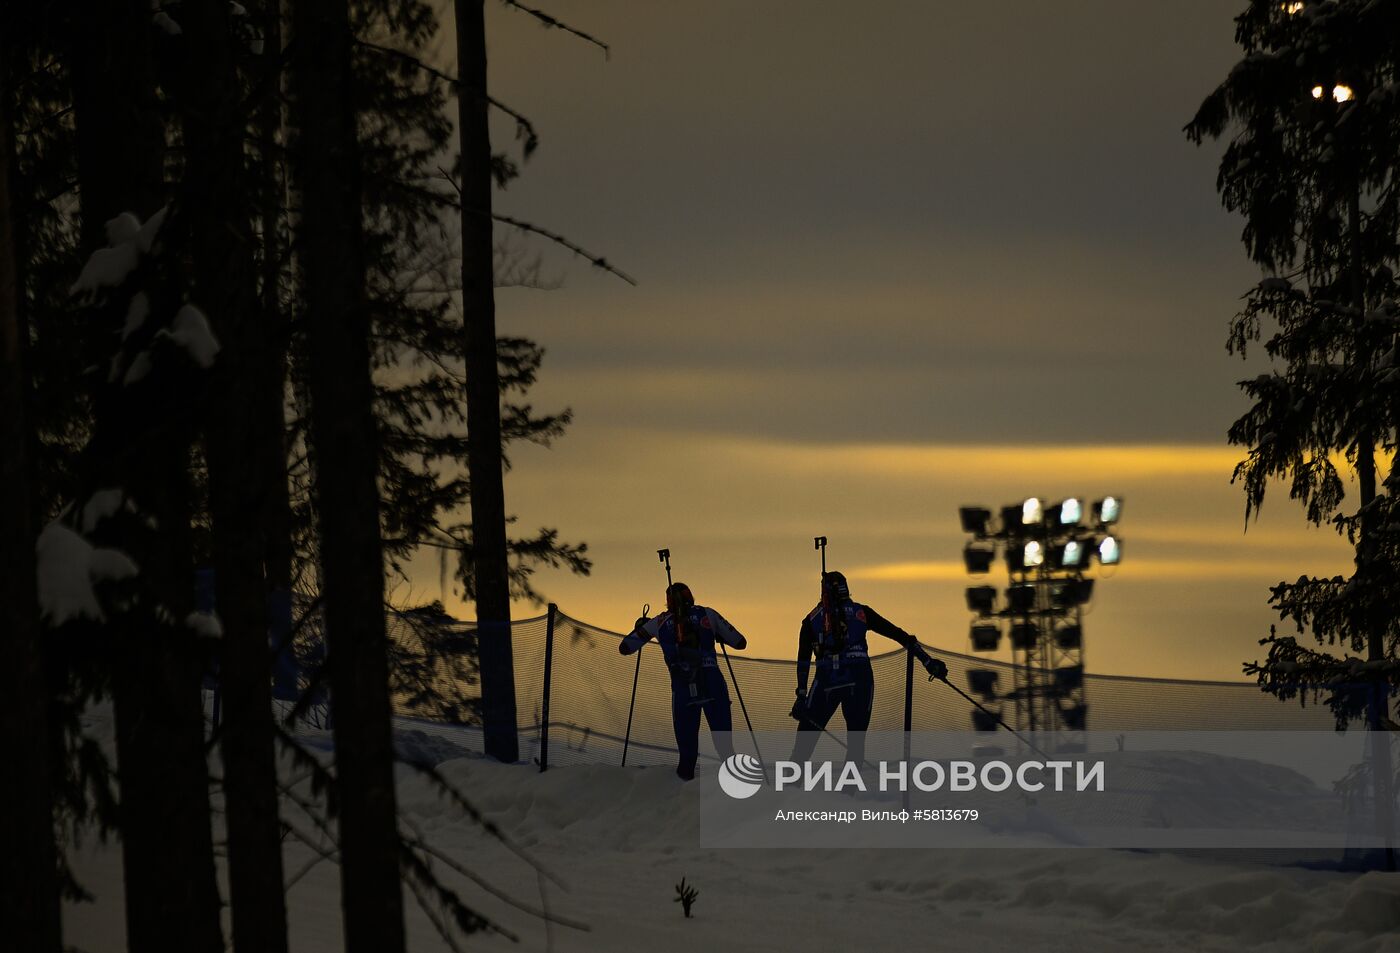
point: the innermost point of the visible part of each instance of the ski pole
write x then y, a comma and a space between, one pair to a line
827, 731
740, 696
627, 740
993, 715
664, 556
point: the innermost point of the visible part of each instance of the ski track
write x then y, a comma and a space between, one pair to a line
621, 838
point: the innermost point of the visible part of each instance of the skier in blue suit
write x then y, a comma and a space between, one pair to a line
687, 633
835, 631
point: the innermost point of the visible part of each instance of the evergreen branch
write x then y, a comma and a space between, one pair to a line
420, 842
597, 261
554, 23
450, 791
417, 873
435, 918
524, 127
321, 853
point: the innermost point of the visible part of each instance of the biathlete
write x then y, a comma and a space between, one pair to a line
687, 633
835, 632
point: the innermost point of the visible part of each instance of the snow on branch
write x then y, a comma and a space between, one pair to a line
128, 241
70, 568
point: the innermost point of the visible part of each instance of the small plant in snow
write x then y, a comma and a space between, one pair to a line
685, 895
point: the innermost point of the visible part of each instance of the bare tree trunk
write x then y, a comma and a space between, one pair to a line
490, 566
271, 409
1378, 712
345, 446
142, 444
29, 905
222, 253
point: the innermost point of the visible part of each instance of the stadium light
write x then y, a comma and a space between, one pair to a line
983, 681
978, 559
1068, 512
984, 720
981, 599
1026, 556
1049, 548
1074, 554
975, 519
1011, 518
1110, 551
1075, 717
1107, 510
1071, 592
1069, 678
985, 638
1069, 636
1021, 598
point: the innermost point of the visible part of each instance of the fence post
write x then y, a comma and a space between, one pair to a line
548, 672
908, 715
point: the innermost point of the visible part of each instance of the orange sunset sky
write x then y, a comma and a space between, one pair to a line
894, 257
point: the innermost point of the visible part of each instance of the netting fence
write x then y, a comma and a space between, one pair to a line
574, 692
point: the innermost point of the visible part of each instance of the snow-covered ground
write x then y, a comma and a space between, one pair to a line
621, 838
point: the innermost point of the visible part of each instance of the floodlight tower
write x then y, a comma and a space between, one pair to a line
1048, 550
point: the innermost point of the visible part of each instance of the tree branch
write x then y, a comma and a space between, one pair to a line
596, 261
553, 23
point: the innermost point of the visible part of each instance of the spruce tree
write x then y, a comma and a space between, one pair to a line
1313, 165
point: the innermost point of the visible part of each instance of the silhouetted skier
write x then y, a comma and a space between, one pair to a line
686, 633
835, 631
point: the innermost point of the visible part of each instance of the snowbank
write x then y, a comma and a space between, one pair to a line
621, 838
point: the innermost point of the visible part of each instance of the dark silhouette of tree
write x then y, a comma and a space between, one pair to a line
331, 255
1312, 163
238, 447
490, 562
133, 505
29, 902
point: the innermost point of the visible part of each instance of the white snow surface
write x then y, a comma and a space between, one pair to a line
69, 567
621, 838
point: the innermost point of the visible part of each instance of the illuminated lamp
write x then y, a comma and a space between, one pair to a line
1110, 551
1074, 554
1067, 512
1107, 510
